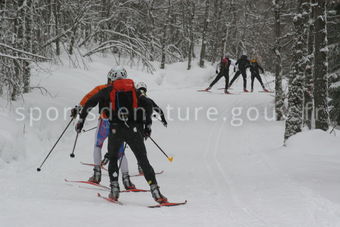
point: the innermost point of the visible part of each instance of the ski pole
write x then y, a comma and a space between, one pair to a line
74, 145
89, 129
168, 157
39, 168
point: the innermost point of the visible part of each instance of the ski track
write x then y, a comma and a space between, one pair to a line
223, 171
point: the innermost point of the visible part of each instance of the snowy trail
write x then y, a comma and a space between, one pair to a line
229, 174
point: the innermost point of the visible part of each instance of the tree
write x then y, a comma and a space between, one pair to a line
296, 81
321, 67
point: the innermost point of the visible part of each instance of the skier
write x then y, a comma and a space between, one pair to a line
243, 63
255, 73
223, 68
120, 100
101, 134
146, 101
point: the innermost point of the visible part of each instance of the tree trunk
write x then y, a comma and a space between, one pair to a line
296, 90
279, 100
204, 33
191, 33
309, 83
27, 45
320, 67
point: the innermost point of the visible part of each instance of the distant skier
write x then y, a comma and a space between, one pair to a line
243, 63
101, 134
255, 73
222, 70
121, 102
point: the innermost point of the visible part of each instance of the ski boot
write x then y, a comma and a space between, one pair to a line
157, 195
127, 182
114, 193
207, 89
245, 90
105, 160
226, 92
252, 90
140, 170
97, 175
265, 90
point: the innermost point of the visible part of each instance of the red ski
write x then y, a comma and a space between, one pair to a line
139, 175
135, 190
168, 204
109, 200
204, 90
87, 182
91, 164
103, 186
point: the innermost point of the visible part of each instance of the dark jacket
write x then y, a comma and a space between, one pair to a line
243, 63
255, 67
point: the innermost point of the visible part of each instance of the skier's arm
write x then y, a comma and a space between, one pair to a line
260, 68
218, 67
158, 110
92, 102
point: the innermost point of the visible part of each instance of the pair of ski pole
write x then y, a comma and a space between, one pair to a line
170, 158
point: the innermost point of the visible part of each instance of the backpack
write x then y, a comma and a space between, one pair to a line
123, 99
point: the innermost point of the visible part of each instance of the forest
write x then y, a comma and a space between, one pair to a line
298, 41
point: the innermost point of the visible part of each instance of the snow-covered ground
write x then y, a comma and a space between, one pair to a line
228, 163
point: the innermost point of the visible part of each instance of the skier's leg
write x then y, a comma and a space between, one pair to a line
100, 137
234, 78
244, 75
135, 141
226, 76
125, 169
114, 144
258, 77
218, 77
252, 81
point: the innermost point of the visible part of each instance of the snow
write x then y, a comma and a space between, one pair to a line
232, 168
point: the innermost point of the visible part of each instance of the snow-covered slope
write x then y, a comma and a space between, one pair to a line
230, 167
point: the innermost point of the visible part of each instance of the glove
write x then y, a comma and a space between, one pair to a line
105, 160
79, 125
147, 131
164, 122
75, 111
216, 71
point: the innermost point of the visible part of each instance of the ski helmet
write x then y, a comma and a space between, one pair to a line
117, 72
142, 85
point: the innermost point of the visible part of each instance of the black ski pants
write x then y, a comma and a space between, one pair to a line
120, 133
258, 77
244, 75
219, 76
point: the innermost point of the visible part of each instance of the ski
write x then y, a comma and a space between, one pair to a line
90, 164
135, 190
167, 204
87, 182
108, 199
203, 90
266, 91
140, 175
105, 187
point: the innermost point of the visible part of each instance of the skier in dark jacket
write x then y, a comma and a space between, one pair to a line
223, 67
243, 63
124, 125
255, 73
144, 100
